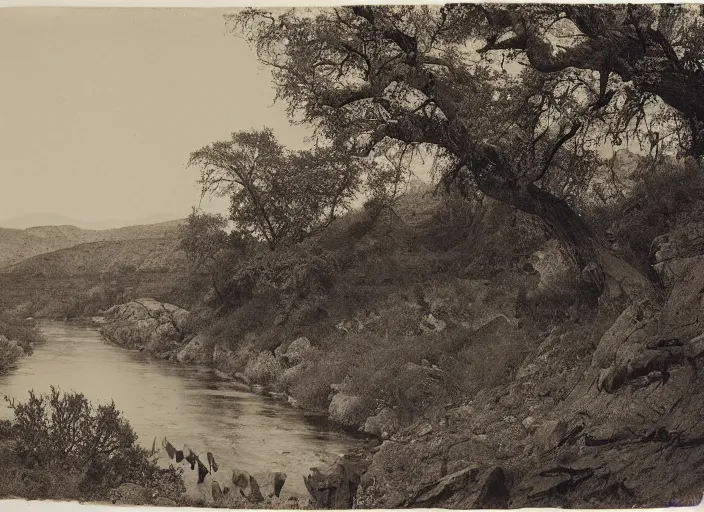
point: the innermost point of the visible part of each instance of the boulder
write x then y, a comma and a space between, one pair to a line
295, 352
197, 351
684, 241
333, 486
469, 488
247, 485
145, 324
346, 410
271, 483
383, 425
216, 491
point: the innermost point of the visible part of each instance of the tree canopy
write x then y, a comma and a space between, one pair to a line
645, 56
278, 195
397, 79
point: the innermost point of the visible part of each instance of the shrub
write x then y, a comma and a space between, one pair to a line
10, 352
64, 437
263, 369
22, 331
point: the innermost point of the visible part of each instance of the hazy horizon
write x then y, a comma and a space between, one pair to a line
101, 109
51, 219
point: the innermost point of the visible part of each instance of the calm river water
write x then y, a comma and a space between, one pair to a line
188, 405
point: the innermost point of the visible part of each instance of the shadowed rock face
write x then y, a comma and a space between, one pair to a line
627, 431
334, 486
145, 324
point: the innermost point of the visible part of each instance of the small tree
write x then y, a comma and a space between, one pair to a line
204, 240
276, 195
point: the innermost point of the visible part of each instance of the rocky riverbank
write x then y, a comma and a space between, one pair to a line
602, 411
616, 423
484, 382
163, 331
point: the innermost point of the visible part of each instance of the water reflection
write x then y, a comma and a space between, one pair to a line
187, 405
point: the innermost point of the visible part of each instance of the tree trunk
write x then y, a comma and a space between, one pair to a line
612, 276
216, 288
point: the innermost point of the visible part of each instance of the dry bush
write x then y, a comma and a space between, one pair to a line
263, 369
66, 448
22, 331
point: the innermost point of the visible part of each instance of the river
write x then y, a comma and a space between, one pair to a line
187, 405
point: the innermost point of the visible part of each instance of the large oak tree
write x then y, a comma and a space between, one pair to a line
370, 78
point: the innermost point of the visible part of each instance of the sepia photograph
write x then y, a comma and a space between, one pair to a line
353, 256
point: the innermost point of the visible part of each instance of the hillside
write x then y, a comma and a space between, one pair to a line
142, 255
19, 244
455, 333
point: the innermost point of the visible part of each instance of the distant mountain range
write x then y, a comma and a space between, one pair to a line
52, 219
17, 245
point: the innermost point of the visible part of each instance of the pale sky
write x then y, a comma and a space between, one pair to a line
100, 109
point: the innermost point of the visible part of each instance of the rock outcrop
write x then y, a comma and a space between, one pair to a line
614, 424
146, 324
334, 486
295, 352
197, 351
346, 410
383, 424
